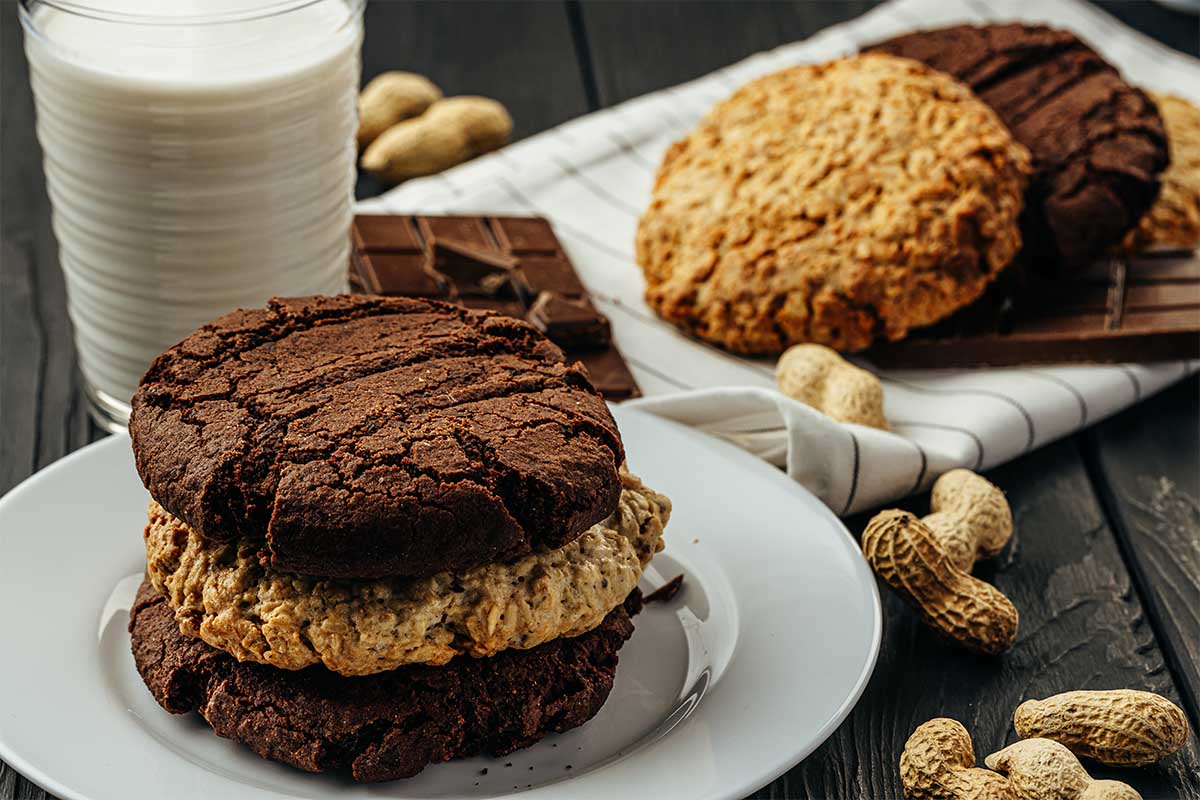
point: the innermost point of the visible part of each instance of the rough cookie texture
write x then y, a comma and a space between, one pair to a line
836, 204
1174, 219
385, 726
221, 594
1098, 143
367, 437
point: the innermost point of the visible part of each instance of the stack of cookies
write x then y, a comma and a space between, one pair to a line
384, 533
851, 202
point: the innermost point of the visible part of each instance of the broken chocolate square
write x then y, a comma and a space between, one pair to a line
400, 273
608, 373
550, 274
571, 323
469, 232
526, 235
377, 232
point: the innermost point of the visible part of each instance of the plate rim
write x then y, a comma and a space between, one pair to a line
747, 461
759, 466
14, 760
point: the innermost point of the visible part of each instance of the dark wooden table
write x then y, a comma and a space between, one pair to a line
1106, 569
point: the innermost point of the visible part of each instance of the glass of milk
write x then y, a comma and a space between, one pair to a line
199, 156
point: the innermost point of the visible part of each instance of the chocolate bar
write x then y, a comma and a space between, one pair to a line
1140, 308
513, 265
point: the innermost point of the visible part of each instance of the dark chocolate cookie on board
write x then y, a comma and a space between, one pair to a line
386, 726
367, 437
1098, 143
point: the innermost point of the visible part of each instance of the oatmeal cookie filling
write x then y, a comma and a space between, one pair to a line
222, 594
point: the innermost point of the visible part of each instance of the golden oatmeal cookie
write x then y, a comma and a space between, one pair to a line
836, 203
1174, 219
221, 593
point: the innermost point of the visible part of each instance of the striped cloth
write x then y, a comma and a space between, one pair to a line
592, 177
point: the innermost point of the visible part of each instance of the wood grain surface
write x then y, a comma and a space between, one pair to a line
1105, 568
1083, 626
522, 54
676, 42
42, 411
1143, 464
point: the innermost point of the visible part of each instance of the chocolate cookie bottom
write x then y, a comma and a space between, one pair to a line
388, 725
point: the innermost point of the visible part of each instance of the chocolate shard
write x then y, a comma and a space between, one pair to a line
571, 323
665, 593
472, 271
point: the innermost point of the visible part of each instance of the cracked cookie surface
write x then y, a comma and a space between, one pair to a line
836, 203
386, 726
367, 437
221, 594
1098, 144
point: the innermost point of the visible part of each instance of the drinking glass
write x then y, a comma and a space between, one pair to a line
199, 157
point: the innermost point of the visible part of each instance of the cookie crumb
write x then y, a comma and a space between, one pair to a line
666, 592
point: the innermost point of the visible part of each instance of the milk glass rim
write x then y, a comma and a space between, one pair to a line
268, 9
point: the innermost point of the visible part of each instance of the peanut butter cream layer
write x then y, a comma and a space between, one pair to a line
221, 593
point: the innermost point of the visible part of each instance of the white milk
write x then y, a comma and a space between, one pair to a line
199, 156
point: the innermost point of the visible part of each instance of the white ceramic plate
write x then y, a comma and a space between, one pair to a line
752, 665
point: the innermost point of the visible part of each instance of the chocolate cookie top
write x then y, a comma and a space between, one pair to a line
1098, 143
835, 203
386, 726
367, 437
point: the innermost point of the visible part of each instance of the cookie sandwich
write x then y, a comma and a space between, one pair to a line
384, 533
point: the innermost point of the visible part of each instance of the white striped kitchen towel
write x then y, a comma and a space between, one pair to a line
592, 176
